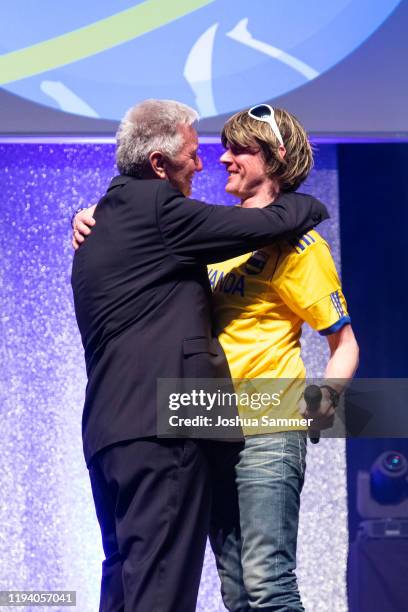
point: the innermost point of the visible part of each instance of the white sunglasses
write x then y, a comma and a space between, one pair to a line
264, 112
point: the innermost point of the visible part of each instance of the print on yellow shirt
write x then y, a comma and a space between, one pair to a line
261, 300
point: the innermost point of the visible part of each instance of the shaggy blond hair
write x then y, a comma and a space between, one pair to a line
243, 131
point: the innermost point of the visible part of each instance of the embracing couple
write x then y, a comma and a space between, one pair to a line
151, 300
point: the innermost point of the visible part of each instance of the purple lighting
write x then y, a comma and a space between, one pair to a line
49, 533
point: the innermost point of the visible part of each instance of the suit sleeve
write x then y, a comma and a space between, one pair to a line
206, 233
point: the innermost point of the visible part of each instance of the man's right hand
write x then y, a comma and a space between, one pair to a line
323, 417
81, 225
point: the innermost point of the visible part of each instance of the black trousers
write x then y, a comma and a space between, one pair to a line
153, 500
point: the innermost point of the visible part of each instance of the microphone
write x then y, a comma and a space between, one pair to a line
313, 397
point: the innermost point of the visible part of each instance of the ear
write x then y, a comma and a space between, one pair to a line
158, 162
282, 151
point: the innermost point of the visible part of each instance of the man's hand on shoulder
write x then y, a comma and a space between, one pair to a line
81, 224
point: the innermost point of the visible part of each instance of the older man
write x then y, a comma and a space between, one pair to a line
142, 301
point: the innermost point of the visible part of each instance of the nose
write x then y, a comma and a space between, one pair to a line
199, 164
226, 157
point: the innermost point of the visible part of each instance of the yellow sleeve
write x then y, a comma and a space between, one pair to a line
307, 281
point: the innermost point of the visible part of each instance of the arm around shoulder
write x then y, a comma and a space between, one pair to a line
203, 233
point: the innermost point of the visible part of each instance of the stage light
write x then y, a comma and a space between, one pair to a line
388, 478
377, 566
382, 497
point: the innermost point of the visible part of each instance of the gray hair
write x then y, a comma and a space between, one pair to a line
147, 127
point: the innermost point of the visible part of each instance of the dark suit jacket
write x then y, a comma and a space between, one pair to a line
142, 295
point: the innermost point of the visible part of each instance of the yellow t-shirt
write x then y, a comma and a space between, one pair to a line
260, 301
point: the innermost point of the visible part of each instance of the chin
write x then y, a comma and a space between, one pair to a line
230, 189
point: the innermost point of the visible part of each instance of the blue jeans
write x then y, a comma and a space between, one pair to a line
256, 556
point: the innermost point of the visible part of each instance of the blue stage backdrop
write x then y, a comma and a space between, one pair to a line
49, 534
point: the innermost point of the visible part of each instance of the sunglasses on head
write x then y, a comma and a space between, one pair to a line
264, 112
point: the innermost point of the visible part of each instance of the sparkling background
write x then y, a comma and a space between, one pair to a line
49, 535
